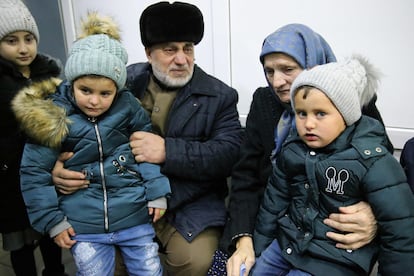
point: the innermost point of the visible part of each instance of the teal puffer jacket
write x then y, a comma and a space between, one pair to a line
308, 185
119, 188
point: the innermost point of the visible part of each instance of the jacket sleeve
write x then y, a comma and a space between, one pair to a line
275, 202
37, 188
156, 184
407, 161
393, 205
247, 185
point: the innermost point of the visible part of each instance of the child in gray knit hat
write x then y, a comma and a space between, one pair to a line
20, 65
334, 157
93, 116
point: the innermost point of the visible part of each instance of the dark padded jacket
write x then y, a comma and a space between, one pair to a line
307, 185
119, 188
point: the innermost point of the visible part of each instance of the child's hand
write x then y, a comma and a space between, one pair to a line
63, 239
157, 213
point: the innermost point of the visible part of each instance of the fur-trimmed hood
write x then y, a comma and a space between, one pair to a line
39, 117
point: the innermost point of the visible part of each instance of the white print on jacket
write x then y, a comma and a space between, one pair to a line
336, 181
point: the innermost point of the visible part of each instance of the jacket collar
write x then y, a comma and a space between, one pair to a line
42, 67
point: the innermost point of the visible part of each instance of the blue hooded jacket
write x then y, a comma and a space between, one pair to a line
119, 188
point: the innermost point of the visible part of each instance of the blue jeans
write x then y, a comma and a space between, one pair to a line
94, 254
271, 262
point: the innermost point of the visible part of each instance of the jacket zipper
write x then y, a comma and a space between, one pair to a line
101, 168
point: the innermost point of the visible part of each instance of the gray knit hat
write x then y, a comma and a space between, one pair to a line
350, 85
98, 52
14, 17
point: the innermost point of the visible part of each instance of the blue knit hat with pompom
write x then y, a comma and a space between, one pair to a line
98, 51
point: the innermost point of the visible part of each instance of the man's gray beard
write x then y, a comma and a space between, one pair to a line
169, 81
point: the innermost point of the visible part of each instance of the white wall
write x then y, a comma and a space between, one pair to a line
382, 30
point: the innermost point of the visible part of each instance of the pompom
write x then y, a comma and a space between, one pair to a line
99, 24
98, 51
373, 76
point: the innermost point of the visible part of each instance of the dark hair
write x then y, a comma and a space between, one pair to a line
306, 88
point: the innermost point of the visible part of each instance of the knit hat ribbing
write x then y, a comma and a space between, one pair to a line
98, 52
14, 17
350, 85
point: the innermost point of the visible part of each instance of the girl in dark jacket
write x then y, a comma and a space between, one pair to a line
20, 65
334, 157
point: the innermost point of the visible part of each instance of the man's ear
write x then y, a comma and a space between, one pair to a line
148, 53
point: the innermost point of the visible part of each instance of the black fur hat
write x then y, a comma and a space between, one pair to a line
165, 22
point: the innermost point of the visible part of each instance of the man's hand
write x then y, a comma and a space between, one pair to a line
67, 181
147, 147
243, 254
357, 221
63, 239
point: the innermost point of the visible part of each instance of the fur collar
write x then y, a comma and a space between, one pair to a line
40, 119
